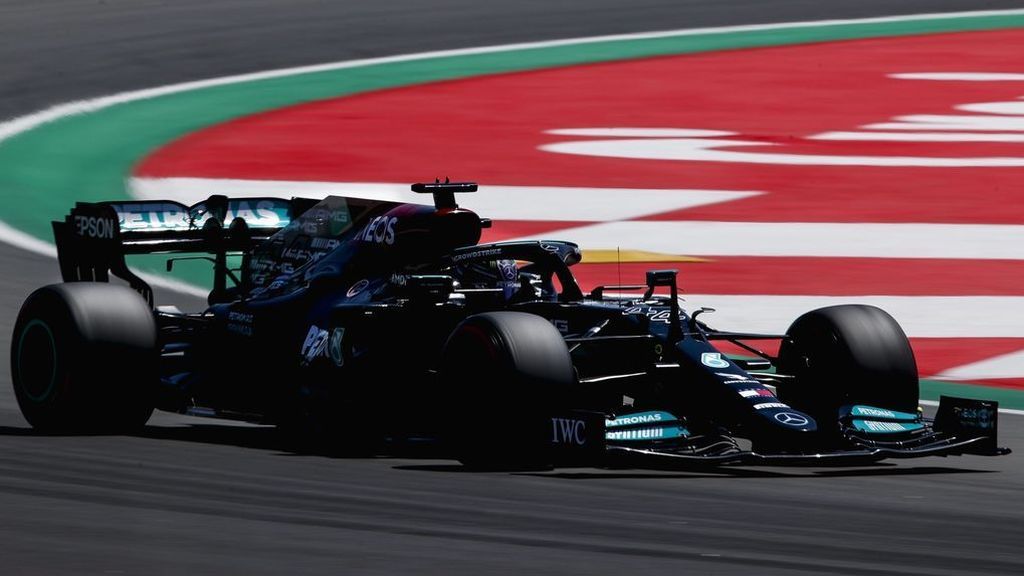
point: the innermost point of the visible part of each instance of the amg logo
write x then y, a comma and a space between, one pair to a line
325, 243
568, 431
94, 227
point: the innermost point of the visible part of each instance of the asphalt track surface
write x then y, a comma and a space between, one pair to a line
201, 497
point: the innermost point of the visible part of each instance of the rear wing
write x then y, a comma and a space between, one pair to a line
94, 238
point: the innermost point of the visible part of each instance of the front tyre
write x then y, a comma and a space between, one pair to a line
84, 358
847, 354
505, 372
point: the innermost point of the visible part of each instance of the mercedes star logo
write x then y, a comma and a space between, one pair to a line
791, 419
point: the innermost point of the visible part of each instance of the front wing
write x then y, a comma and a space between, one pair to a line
961, 426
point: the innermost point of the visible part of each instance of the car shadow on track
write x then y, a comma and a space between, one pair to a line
711, 472
256, 437
726, 472
267, 438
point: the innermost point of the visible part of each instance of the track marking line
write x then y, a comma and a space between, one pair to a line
1001, 410
19, 125
531, 203
24, 123
815, 239
695, 149
30, 243
27, 122
918, 137
995, 368
961, 76
933, 122
920, 316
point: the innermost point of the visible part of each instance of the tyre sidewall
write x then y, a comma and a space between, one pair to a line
50, 411
854, 355
106, 368
504, 374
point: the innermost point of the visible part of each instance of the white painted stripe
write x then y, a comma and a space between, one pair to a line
1003, 366
26, 242
1001, 410
952, 122
639, 132
1012, 108
911, 136
23, 123
30, 243
920, 316
961, 76
19, 125
700, 238
499, 202
721, 150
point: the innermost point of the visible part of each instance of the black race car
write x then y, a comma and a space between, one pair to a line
351, 320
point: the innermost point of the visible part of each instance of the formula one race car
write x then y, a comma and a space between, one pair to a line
351, 320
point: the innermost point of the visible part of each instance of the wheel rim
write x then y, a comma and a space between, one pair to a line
37, 361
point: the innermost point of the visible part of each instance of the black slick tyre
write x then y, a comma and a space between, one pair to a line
84, 358
504, 373
847, 354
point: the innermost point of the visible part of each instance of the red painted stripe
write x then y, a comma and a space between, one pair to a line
936, 355
509, 229
489, 128
1009, 383
826, 276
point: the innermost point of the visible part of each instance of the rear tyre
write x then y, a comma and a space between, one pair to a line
848, 354
505, 372
84, 358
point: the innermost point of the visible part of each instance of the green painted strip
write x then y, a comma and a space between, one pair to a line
1007, 397
87, 157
